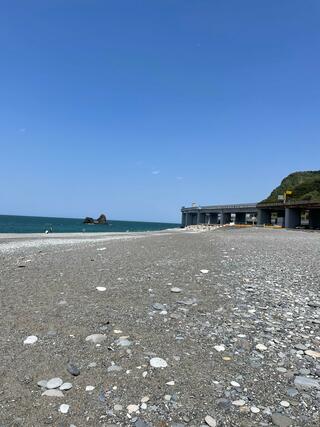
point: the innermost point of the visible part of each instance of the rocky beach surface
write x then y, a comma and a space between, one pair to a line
175, 328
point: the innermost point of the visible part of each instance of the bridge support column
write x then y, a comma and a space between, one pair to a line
314, 218
292, 218
183, 219
264, 217
240, 218
213, 218
225, 218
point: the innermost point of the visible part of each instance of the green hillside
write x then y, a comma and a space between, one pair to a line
304, 186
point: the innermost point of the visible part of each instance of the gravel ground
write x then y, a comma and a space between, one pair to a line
238, 342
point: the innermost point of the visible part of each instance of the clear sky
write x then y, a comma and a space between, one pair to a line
138, 107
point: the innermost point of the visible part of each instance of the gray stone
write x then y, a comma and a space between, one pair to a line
42, 383
114, 368
281, 420
158, 306
54, 383
53, 393
73, 369
292, 392
306, 383
65, 386
96, 338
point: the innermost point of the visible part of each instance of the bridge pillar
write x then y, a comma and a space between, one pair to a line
183, 219
264, 217
201, 218
225, 218
314, 218
240, 218
213, 218
292, 218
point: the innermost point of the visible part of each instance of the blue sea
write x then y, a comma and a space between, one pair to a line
39, 224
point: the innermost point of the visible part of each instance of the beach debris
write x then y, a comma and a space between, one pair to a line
101, 249
204, 271
31, 339
96, 338
64, 409
157, 362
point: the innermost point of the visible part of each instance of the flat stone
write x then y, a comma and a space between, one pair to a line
42, 383
101, 288
157, 362
210, 421
261, 347
306, 383
292, 392
123, 342
30, 340
64, 409
114, 368
54, 383
176, 290
89, 388
239, 402
65, 386
204, 271
285, 403
96, 338
132, 408
219, 348
234, 384
53, 393
281, 420
314, 354
158, 306
254, 409
73, 369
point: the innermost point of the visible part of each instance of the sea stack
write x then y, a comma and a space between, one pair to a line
101, 220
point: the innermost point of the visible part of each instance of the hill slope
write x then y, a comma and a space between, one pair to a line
304, 186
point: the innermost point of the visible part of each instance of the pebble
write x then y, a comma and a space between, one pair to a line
73, 370
261, 347
114, 368
210, 421
176, 290
145, 399
239, 402
53, 393
30, 339
157, 362
306, 383
123, 342
315, 354
170, 383
219, 347
132, 408
65, 386
89, 388
235, 384
96, 338
281, 420
101, 288
158, 306
254, 409
284, 403
64, 409
42, 383
118, 407
54, 383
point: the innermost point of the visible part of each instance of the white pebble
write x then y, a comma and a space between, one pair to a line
204, 271
261, 347
54, 383
235, 384
284, 403
64, 408
210, 421
219, 347
30, 340
132, 408
101, 288
254, 410
157, 362
89, 388
239, 402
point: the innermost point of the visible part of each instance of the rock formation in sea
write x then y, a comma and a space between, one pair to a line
101, 220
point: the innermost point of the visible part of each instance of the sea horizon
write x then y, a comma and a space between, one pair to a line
42, 224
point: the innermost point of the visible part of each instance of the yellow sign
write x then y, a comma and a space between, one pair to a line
288, 192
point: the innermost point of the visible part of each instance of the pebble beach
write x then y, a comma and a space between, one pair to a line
178, 328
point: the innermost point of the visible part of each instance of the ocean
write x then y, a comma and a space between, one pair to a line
39, 224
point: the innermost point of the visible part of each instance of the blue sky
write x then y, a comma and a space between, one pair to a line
135, 108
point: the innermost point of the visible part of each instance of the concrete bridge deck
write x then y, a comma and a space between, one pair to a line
289, 214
